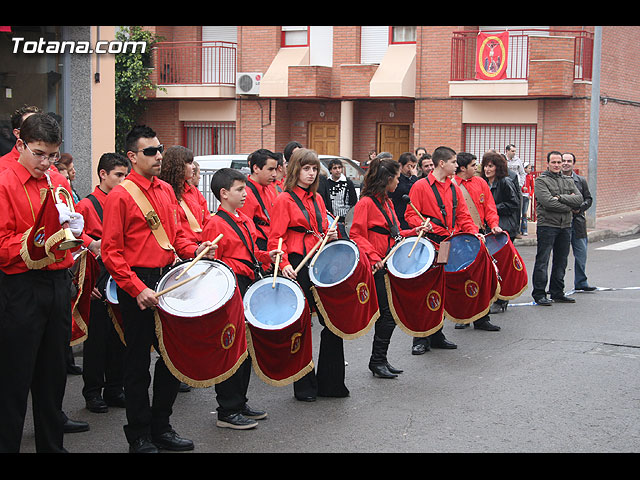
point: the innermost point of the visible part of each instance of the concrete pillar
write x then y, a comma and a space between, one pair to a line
346, 129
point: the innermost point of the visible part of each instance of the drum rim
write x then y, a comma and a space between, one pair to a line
107, 289
396, 273
354, 246
252, 320
465, 234
221, 303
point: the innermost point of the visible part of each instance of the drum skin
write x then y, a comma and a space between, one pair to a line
272, 308
335, 263
402, 265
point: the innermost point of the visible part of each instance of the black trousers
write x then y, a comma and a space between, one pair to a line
143, 416
103, 356
328, 378
385, 325
35, 330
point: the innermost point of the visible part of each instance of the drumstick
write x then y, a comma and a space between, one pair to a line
275, 270
179, 284
200, 255
305, 259
324, 241
384, 260
418, 239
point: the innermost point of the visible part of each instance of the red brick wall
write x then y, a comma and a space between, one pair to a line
162, 116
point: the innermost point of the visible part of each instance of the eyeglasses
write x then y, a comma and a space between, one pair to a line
152, 151
41, 156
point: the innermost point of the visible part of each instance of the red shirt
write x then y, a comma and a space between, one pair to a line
286, 213
8, 158
231, 250
20, 197
197, 204
253, 210
480, 193
127, 240
423, 198
92, 222
366, 215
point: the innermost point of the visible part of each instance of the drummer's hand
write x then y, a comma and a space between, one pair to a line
496, 229
95, 294
332, 234
274, 253
425, 227
378, 266
94, 247
289, 272
212, 251
146, 299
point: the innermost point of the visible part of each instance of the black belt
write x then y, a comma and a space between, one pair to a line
159, 271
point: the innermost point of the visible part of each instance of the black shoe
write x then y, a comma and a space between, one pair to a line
544, 301
381, 371
419, 349
97, 405
117, 401
184, 387
585, 289
393, 369
488, 326
563, 299
443, 343
142, 445
249, 412
461, 326
237, 421
172, 441
73, 369
75, 426
309, 398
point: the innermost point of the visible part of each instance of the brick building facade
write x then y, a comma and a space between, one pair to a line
330, 92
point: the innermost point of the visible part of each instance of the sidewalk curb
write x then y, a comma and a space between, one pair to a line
593, 236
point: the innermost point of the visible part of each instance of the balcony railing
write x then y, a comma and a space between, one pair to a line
195, 63
463, 52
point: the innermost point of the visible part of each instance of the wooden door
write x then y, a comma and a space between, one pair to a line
323, 138
393, 138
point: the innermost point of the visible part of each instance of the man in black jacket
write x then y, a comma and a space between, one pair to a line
408, 169
339, 193
579, 224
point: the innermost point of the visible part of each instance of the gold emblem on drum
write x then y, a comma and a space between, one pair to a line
362, 292
228, 336
296, 342
433, 300
471, 288
517, 264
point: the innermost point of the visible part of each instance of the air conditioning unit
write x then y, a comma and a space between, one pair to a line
248, 83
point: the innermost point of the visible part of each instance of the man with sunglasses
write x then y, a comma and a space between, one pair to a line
35, 295
136, 259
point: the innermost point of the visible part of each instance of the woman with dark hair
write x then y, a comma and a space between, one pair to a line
375, 229
495, 171
177, 171
299, 218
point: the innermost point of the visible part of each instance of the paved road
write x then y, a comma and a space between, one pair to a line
555, 379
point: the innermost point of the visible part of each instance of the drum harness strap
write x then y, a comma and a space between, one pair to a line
103, 276
258, 221
306, 215
443, 222
256, 266
393, 231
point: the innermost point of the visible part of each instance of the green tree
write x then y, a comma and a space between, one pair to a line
132, 80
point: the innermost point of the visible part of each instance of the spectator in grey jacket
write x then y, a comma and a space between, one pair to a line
556, 198
579, 225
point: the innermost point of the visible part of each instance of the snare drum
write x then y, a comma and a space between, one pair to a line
401, 265
471, 280
279, 330
111, 291
206, 294
511, 267
335, 263
200, 325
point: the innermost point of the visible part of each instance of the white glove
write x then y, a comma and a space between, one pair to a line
76, 224
64, 213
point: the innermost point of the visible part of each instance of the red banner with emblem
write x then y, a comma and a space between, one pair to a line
417, 304
205, 350
491, 56
85, 273
351, 307
512, 271
470, 292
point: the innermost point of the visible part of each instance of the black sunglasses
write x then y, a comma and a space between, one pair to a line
152, 151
